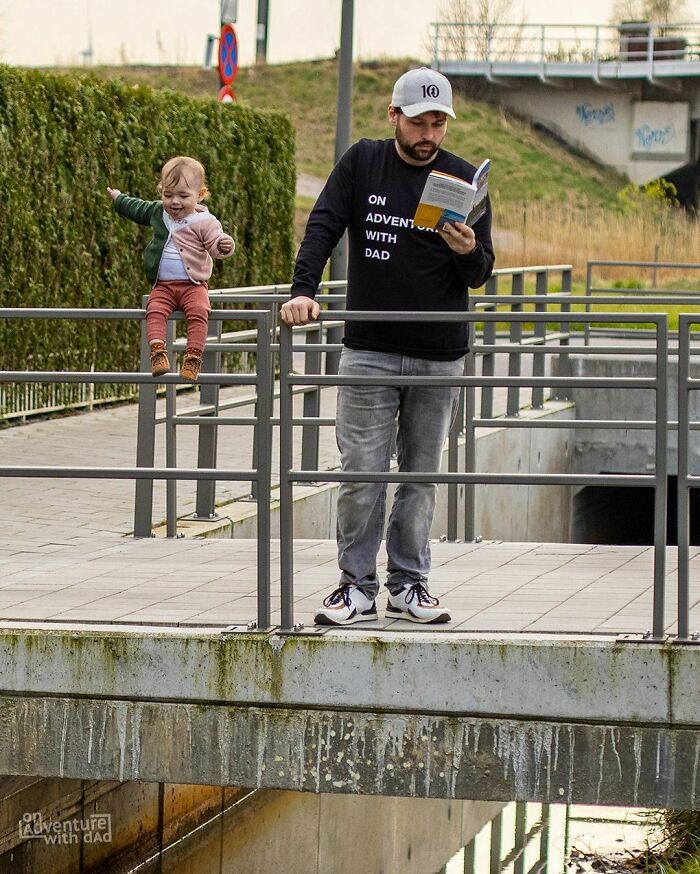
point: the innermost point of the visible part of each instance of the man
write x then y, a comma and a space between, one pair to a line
373, 192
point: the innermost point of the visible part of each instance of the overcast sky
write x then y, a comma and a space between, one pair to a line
47, 32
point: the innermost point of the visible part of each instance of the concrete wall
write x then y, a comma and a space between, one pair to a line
213, 830
334, 834
630, 450
512, 513
511, 718
641, 137
525, 513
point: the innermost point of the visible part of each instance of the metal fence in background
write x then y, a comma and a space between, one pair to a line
638, 43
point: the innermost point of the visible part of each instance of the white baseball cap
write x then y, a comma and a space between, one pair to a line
422, 90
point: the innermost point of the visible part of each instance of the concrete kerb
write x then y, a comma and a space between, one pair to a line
516, 676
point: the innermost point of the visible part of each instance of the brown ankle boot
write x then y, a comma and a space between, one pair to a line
159, 359
191, 364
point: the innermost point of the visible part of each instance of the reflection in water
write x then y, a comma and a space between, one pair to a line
551, 839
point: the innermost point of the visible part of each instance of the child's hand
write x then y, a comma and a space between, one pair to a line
113, 192
225, 245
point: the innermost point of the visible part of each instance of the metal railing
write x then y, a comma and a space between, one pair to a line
145, 471
618, 295
508, 852
524, 336
208, 415
658, 384
538, 44
686, 480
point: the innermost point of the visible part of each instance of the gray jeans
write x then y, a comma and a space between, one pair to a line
364, 431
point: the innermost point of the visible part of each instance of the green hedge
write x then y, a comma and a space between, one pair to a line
63, 139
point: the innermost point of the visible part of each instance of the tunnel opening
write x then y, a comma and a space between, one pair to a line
624, 515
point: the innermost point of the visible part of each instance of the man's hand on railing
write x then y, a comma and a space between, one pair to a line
299, 310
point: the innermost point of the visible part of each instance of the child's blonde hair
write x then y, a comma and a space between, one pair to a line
181, 167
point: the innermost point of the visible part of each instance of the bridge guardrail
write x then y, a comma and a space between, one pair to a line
486, 311
145, 471
654, 296
686, 480
657, 480
539, 44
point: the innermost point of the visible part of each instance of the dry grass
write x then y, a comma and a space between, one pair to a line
564, 233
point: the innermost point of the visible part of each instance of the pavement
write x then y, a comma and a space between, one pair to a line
536, 588
106, 437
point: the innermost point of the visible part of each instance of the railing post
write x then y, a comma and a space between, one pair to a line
145, 443
544, 837
488, 359
683, 492
286, 485
207, 435
170, 441
565, 341
661, 476
272, 327
520, 838
469, 854
589, 290
540, 331
516, 338
312, 402
452, 467
495, 855
542, 45
470, 448
263, 463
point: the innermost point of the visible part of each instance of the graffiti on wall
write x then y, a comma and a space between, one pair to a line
647, 138
660, 128
589, 114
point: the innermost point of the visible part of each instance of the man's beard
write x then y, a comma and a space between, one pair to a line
422, 151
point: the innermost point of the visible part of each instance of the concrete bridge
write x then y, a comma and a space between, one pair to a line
139, 659
628, 95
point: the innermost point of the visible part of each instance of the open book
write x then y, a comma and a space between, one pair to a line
447, 198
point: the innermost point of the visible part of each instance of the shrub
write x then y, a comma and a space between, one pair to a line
63, 139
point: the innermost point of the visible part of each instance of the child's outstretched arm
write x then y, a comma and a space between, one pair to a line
139, 211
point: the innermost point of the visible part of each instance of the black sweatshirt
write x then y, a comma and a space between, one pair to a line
373, 193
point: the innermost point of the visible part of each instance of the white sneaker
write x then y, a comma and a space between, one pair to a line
415, 604
346, 605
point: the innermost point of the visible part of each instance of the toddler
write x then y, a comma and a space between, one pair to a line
178, 259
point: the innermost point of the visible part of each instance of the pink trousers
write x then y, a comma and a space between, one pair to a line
191, 298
